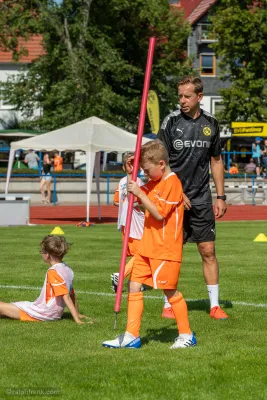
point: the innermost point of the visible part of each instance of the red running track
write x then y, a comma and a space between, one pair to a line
71, 215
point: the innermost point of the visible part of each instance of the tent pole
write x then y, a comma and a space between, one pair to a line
97, 180
9, 169
90, 159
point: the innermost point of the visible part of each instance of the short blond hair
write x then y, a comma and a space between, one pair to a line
197, 82
126, 157
154, 151
56, 246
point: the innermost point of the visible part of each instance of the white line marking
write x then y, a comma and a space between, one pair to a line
238, 303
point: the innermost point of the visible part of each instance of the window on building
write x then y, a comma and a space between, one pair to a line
4, 105
207, 64
218, 107
206, 32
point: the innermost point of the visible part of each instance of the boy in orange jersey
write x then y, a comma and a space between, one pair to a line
159, 255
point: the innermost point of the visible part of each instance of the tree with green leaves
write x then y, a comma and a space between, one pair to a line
241, 30
95, 58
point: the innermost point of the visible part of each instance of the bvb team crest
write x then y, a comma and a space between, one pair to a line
206, 131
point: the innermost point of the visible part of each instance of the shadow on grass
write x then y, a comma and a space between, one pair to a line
169, 333
204, 305
165, 334
67, 315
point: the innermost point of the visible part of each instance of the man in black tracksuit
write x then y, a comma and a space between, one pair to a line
192, 139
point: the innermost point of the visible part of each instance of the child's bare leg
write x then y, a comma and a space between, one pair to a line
42, 183
9, 310
48, 187
134, 287
170, 293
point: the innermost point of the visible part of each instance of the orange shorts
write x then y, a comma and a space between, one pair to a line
132, 245
160, 274
23, 316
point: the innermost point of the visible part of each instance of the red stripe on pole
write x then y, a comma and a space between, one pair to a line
135, 170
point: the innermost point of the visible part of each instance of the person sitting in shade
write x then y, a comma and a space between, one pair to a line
250, 167
233, 170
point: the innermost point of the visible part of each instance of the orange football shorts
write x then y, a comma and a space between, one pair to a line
23, 316
159, 274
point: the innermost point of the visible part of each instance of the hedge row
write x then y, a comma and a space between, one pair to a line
64, 172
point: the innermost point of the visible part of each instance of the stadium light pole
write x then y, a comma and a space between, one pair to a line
141, 124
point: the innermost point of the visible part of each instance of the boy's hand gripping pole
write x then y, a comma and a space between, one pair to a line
134, 175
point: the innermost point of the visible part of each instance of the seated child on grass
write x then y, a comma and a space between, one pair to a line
57, 291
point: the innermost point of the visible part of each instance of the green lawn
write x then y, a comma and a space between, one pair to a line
229, 362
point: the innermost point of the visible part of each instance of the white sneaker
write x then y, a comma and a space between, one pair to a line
125, 340
184, 341
115, 281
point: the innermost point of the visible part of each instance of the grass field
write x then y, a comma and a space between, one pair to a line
229, 362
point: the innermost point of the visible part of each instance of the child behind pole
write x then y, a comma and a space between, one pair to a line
137, 224
57, 291
159, 256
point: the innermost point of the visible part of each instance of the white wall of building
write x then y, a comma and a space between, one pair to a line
211, 105
6, 110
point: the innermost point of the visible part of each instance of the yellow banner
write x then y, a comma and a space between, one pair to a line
249, 129
153, 110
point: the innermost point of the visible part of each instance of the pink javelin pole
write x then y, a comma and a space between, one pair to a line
135, 170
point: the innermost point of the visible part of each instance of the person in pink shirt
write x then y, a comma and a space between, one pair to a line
57, 291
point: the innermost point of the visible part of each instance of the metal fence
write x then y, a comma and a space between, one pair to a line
227, 157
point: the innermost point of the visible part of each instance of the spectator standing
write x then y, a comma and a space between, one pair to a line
46, 178
257, 155
31, 159
264, 156
58, 162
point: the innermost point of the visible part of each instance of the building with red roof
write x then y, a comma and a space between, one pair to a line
10, 67
204, 57
205, 60
33, 46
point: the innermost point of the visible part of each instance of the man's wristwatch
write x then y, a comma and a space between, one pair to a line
222, 197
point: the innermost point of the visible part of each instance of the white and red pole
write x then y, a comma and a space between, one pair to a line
135, 171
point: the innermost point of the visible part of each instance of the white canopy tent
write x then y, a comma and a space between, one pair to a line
91, 135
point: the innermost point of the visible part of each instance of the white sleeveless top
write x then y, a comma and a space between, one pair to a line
138, 217
49, 306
